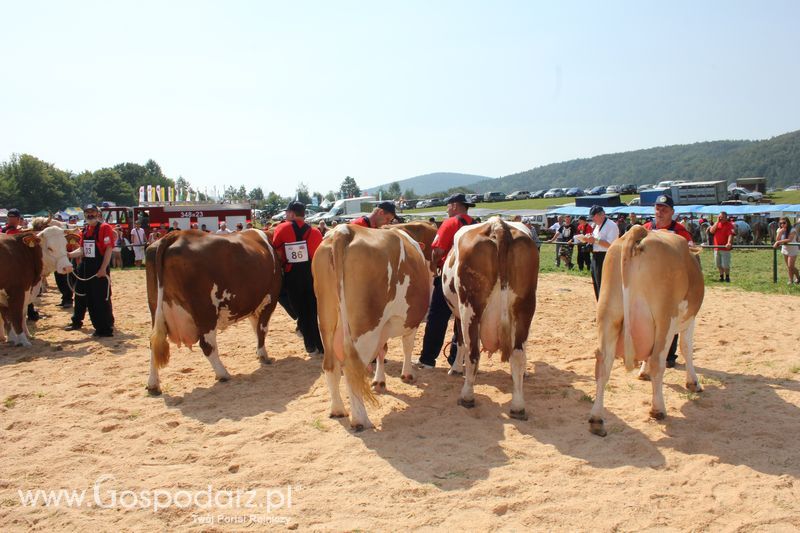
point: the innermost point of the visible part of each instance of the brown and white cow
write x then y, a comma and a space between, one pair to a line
489, 280
652, 290
25, 259
199, 283
371, 285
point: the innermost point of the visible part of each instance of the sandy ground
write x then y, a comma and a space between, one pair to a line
75, 410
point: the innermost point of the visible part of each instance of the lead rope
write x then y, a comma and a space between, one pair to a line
74, 290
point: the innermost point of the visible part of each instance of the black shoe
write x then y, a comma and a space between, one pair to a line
73, 327
721, 279
34, 317
65, 305
670, 363
103, 334
727, 279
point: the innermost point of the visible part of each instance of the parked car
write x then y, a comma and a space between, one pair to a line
635, 201
430, 202
644, 187
613, 189
793, 187
494, 197
628, 188
574, 191
554, 193
740, 193
518, 195
474, 198
539, 193
600, 189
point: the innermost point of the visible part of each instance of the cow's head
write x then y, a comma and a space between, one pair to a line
53, 242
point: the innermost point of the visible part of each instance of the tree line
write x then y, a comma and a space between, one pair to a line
32, 185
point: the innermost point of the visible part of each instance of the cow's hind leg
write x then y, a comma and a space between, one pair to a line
379, 381
208, 343
517, 374
457, 368
471, 337
260, 327
333, 375
604, 360
657, 364
407, 374
358, 411
153, 381
687, 349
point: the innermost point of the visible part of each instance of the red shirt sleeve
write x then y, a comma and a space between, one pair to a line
314, 239
359, 222
280, 237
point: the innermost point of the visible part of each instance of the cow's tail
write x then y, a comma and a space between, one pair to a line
159, 345
501, 234
354, 369
631, 247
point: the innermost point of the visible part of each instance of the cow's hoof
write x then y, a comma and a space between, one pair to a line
407, 378
358, 428
455, 372
597, 427
694, 387
265, 360
519, 415
154, 391
657, 415
469, 404
342, 414
379, 386
223, 379
644, 377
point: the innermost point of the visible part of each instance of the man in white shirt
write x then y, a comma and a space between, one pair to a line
605, 232
223, 229
138, 241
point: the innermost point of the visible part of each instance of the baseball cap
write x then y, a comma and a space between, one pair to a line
388, 207
298, 208
665, 199
459, 198
13, 212
596, 209
90, 207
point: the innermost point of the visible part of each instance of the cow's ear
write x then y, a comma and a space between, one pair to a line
421, 245
31, 240
72, 238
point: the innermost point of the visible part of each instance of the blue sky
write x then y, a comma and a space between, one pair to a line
272, 94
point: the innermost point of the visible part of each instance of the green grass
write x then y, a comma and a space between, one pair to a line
751, 270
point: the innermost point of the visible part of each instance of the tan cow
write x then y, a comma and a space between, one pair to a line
198, 283
652, 290
371, 285
489, 280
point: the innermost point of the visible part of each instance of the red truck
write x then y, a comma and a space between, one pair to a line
159, 213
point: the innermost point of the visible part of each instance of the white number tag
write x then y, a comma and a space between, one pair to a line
89, 249
296, 252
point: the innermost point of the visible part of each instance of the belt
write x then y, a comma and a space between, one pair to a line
598, 253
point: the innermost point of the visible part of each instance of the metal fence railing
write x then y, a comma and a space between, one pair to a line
775, 251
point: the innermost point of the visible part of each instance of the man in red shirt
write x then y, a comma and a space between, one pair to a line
94, 295
383, 214
439, 312
723, 232
296, 243
665, 210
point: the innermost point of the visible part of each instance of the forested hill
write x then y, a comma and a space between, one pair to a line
777, 159
428, 183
